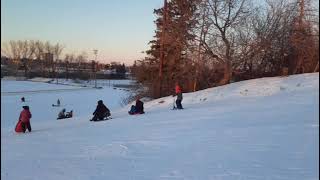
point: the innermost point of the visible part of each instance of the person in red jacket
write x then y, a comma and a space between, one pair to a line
179, 96
25, 116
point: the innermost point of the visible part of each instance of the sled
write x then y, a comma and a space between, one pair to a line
135, 113
19, 127
104, 119
174, 108
64, 117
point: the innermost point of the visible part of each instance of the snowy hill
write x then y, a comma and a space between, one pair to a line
252, 130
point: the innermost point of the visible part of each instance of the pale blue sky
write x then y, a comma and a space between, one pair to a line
119, 29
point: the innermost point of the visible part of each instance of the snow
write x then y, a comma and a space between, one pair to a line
8, 87
258, 129
40, 79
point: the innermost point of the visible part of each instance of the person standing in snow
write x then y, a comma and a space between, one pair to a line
179, 96
23, 99
101, 112
24, 117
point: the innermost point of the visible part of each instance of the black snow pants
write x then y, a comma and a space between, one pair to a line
26, 125
97, 117
179, 105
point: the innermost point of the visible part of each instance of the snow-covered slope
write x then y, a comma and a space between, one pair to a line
252, 130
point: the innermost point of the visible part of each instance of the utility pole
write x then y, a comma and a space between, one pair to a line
162, 45
56, 70
95, 52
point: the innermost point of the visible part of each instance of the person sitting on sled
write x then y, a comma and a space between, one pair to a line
69, 114
101, 112
138, 108
62, 114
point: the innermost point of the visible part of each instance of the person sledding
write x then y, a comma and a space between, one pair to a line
101, 112
178, 93
58, 103
138, 108
63, 114
24, 120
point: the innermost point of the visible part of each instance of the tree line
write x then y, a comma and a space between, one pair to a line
207, 43
44, 59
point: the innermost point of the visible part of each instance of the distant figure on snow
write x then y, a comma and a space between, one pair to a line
137, 109
179, 96
58, 103
101, 112
24, 120
63, 114
23, 100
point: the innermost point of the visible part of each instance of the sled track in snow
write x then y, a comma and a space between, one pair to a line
42, 91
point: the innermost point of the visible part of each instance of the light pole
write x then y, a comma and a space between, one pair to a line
95, 52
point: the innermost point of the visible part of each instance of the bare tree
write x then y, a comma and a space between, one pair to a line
69, 60
57, 50
40, 55
302, 39
21, 52
224, 17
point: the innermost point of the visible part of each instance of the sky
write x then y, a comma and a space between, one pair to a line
119, 29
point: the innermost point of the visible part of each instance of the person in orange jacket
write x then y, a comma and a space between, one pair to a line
24, 117
179, 96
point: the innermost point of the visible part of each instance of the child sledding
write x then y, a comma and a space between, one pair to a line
63, 114
56, 105
137, 109
101, 113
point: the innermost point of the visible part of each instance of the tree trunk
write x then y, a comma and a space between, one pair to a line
298, 64
317, 67
227, 75
227, 66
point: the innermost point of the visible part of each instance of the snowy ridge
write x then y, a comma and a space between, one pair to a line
262, 129
245, 89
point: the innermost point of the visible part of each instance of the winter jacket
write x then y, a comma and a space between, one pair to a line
61, 114
19, 127
139, 106
178, 92
178, 89
101, 110
25, 116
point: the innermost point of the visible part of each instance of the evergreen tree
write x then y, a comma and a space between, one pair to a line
173, 34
